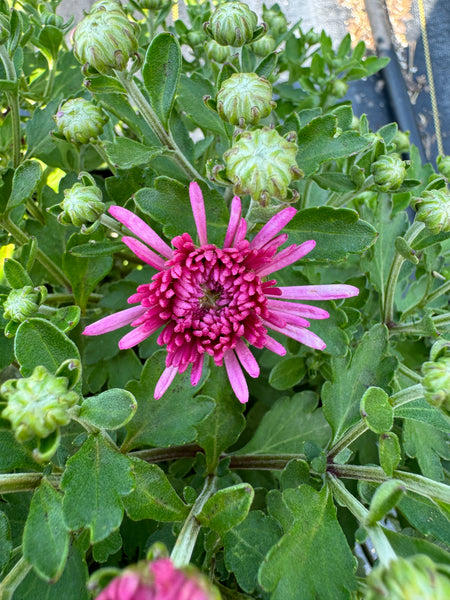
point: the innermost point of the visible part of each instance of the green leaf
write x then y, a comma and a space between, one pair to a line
125, 153
110, 545
227, 508
287, 373
389, 452
419, 410
39, 342
94, 481
50, 38
246, 546
45, 538
161, 73
15, 274
157, 422
25, 181
153, 497
223, 426
351, 377
168, 203
93, 248
331, 330
190, 98
13, 455
428, 445
376, 410
299, 566
385, 498
337, 182
319, 141
288, 425
39, 126
109, 410
338, 232
406, 545
5, 541
427, 516
66, 317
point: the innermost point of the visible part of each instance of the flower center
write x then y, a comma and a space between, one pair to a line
210, 298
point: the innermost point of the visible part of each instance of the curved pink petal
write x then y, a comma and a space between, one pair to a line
303, 310
272, 227
233, 224
286, 257
115, 321
317, 292
197, 368
136, 336
248, 361
241, 232
198, 210
140, 228
289, 317
168, 375
236, 376
143, 252
304, 336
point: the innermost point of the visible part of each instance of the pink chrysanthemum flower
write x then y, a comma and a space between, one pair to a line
217, 301
160, 580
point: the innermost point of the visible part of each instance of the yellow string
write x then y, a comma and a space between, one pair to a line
434, 106
175, 11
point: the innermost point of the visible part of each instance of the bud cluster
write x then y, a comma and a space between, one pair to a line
434, 210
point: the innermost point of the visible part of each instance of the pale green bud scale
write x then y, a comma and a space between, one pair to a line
244, 99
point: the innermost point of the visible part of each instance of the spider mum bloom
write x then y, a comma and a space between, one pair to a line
217, 301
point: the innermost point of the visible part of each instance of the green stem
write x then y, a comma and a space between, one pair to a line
14, 578
69, 299
415, 329
412, 482
101, 152
263, 462
13, 101
111, 224
304, 198
35, 211
184, 546
156, 455
152, 119
50, 79
394, 273
21, 238
339, 200
443, 289
404, 370
381, 544
23, 482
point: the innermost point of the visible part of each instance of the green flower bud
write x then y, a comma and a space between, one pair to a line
23, 303
80, 121
232, 24
37, 405
82, 205
152, 4
105, 39
196, 37
412, 578
436, 382
264, 46
275, 19
443, 165
106, 5
262, 163
401, 142
244, 99
434, 210
215, 51
388, 172
339, 88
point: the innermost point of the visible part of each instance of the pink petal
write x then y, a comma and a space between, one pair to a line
274, 346
318, 292
240, 233
236, 376
286, 257
304, 336
168, 375
137, 226
248, 361
272, 227
115, 321
235, 217
289, 317
136, 336
144, 253
197, 368
304, 310
198, 210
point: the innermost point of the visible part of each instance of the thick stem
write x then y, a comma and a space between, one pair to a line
23, 482
51, 78
263, 462
156, 455
184, 546
394, 273
101, 152
404, 370
443, 289
13, 101
339, 200
381, 544
14, 578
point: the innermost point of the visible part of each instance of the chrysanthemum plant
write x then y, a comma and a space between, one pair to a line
225, 314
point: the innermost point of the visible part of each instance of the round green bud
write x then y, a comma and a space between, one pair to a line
232, 24
443, 165
388, 172
401, 142
244, 99
37, 405
105, 39
215, 51
82, 205
262, 163
80, 121
196, 37
264, 45
152, 4
276, 20
436, 382
434, 210
339, 88
23, 303
412, 578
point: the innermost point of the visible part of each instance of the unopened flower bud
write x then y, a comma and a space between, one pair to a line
388, 172
152, 4
264, 45
401, 142
436, 382
244, 99
215, 51
82, 205
443, 165
232, 24
339, 88
23, 303
105, 39
276, 20
408, 579
195, 37
80, 121
37, 405
434, 210
262, 163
